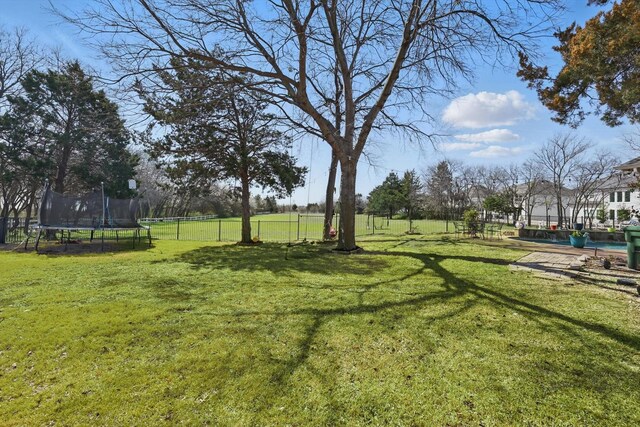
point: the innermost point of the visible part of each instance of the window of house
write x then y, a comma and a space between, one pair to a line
612, 214
612, 197
619, 196
627, 196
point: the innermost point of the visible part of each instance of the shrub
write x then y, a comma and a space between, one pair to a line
471, 219
624, 215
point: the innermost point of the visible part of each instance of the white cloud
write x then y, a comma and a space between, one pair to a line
459, 146
494, 151
487, 109
493, 135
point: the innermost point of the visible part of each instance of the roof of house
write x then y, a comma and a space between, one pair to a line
617, 181
630, 165
543, 187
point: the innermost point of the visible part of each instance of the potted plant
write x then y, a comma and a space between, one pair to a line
578, 238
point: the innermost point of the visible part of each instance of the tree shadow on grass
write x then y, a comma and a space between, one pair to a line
453, 286
280, 259
78, 247
533, 311
172, 290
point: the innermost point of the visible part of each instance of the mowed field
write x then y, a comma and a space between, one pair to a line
271, 228
285, 227
417, 330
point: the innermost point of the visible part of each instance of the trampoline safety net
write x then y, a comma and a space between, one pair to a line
121, 213
87, 211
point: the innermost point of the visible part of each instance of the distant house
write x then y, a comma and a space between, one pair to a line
617, 195
631, 167
539, 203
623, 195
614, 196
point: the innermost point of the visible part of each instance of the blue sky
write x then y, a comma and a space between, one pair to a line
493, 120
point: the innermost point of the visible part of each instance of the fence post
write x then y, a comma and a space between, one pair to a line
219, 230
3, 230
178, 230
258, 229
446, 219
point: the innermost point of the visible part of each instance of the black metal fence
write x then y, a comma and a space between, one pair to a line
285, 227
13, 230
279, 227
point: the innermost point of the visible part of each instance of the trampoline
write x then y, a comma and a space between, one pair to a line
92, 212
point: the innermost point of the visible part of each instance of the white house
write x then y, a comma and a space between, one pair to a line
626, 195
617, 195
539, 207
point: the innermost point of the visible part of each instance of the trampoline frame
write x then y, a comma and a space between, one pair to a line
39, 228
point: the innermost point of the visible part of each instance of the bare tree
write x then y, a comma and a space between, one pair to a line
529, 189
588, 177
389, 56
485, 181
558, 158
632, 139
19, 54
508, 178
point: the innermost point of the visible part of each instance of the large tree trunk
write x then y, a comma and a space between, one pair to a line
560, 211
347, 233
30, 206
63, 161
574, 213
246, 210
331, 186
5, 209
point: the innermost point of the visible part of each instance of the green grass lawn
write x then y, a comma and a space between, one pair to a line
413, 332
285, 227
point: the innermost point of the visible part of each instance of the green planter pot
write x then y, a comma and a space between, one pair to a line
578, 242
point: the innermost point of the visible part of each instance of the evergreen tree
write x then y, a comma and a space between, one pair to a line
63, 129
216, 129
440, 189
601, 65
387, 197
412, 192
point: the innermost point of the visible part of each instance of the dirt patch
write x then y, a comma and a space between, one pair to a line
78, 247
